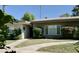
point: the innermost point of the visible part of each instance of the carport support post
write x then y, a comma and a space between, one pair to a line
22, 32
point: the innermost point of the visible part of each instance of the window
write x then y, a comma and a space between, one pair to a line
46, 29
58, 29
52, 30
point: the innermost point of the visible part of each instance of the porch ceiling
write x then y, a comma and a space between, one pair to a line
58, 21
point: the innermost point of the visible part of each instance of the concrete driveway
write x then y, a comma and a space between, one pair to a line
34, 48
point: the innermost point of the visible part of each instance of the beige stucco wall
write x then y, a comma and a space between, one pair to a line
24, 32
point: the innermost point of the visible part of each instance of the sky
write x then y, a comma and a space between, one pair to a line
49, 11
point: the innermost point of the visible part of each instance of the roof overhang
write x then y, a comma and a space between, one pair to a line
58, 21
19, 24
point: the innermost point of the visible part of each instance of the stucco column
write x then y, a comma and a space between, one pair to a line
22, 32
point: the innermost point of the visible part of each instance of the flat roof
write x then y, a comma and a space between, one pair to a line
60, 20
50, 21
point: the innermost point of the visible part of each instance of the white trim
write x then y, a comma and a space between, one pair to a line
58, 18
22, 32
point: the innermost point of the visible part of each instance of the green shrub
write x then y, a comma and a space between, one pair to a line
3, 36
76, 35
18, 37
36, 33
66, 33
14, 35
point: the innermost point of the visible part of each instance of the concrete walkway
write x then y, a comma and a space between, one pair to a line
34, 48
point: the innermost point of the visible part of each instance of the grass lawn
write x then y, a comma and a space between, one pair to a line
65, 48
32, 42
10, 41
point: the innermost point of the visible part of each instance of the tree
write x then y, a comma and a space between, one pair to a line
65, 15
28, 17
75, 11
4, 19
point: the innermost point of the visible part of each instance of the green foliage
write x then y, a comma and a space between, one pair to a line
14, 35
28, 17
36, 32
4, 19
76, 35
17, 33
76, 11
65, 15
67, 33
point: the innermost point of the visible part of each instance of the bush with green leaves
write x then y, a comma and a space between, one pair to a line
67, 33
15, 34
3, 35
4, 19
36, 32
76, 35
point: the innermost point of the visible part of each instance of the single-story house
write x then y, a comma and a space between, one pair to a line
51, 27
